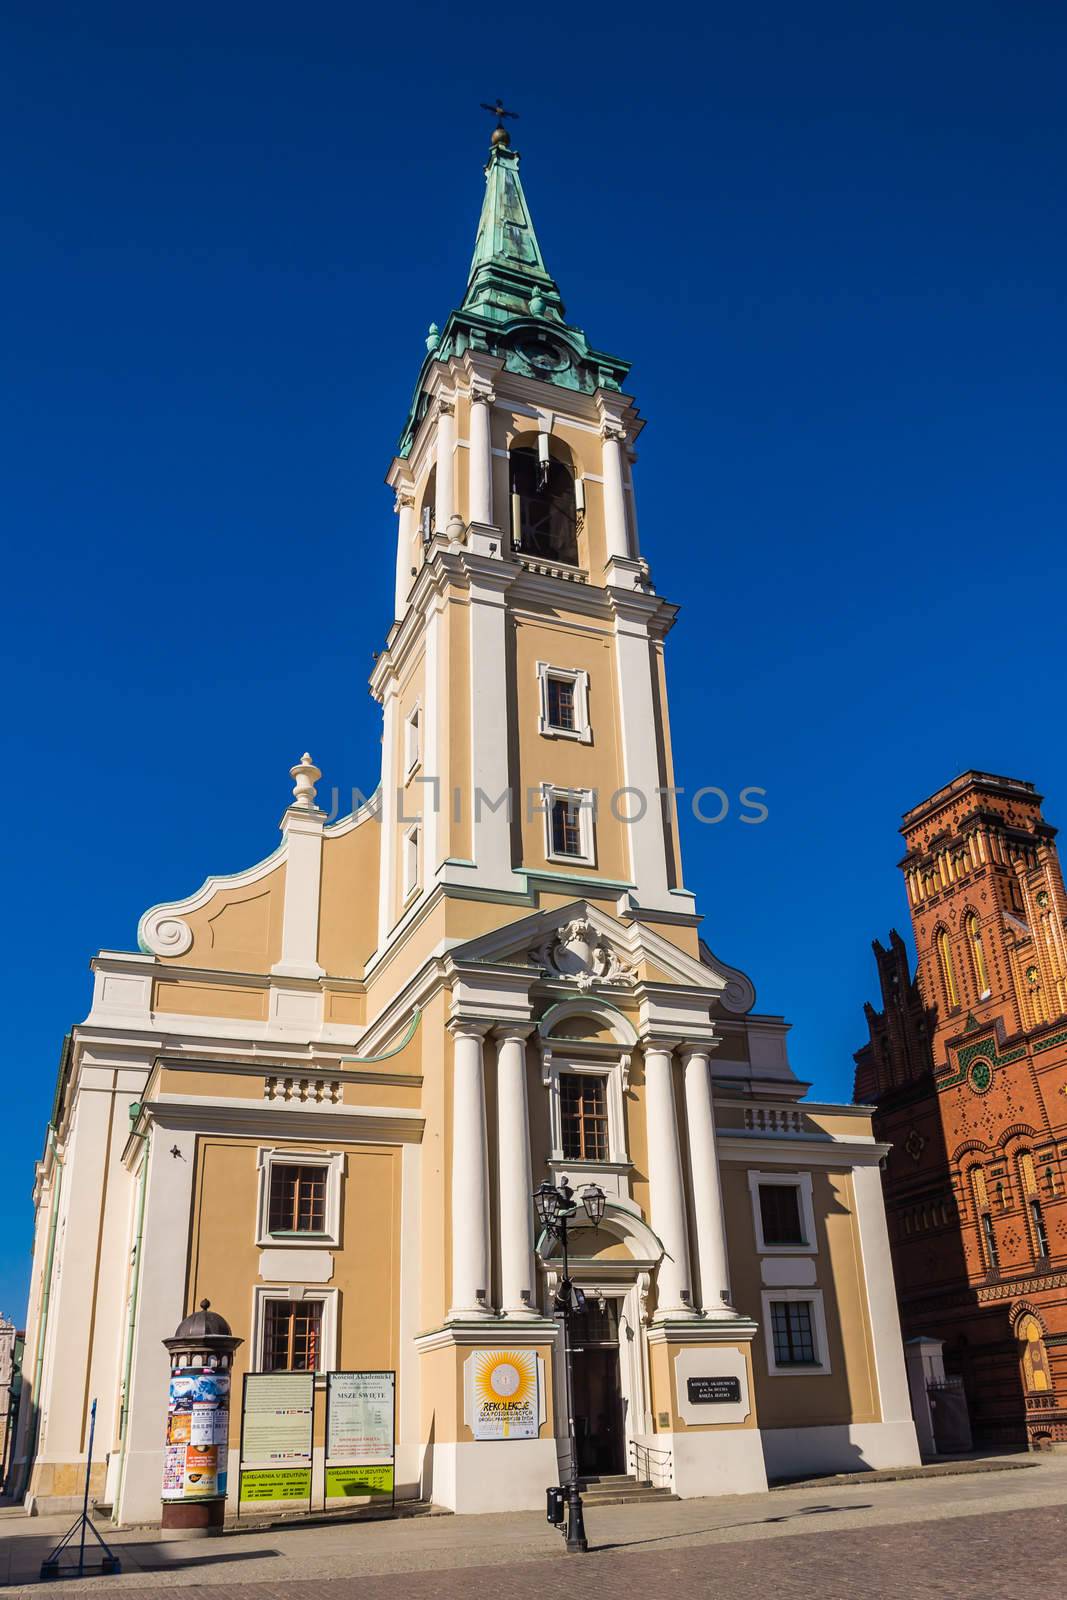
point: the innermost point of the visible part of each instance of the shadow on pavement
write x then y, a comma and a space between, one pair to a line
724, 1527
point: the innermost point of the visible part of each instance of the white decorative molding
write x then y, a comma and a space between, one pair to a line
155, 937
164, 934
579, 953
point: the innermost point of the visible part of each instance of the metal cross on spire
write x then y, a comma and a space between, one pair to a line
498, 111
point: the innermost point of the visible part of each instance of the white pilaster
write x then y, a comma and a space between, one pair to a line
514, 1174
433, 800
160, 1307
470, 1174
667, 1192
481, 455
708, 1224
405, 533
615, 528
645, 833
387, 797
889, 1365
490, 797
445, 502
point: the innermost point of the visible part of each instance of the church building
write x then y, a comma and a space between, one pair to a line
967, 1068
321, 1092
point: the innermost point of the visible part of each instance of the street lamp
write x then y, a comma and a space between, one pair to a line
556, 1208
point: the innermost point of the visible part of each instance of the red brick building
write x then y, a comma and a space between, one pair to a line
967, 1066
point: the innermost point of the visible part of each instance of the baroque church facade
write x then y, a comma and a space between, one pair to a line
967, 1068
321, 1092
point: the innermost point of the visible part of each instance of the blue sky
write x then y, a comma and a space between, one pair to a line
832, 241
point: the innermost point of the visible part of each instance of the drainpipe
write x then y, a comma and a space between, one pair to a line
46, 1296
131, 1315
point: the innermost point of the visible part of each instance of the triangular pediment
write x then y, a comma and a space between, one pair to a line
583, 946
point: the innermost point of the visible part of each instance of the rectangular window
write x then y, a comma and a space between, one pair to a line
561, 706
566, 828
1040, 1236
989, 1239
412, 752
779, 1205
794, 1338
292, 1336
411, 861
297, 1199
583, 1116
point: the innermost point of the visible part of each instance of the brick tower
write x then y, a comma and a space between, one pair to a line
967, 1066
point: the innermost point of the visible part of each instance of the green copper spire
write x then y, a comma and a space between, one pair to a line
512, 309
508, 276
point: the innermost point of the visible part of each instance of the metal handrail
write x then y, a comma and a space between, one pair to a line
647, 1451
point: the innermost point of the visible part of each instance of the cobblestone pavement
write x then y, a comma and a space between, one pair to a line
997, 1536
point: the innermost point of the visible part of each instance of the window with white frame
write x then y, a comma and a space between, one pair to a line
411, 861
586, 1107
564, 695
299, 1197
569, 824
412, 738
782, 1212
794, 1328
294, 1329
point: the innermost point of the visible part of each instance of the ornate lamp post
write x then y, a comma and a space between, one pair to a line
555, 1208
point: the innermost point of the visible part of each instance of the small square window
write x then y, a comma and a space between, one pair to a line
794, 1336
779, 1205
292, 1336
297, 1199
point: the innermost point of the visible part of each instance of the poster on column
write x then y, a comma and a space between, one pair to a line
502, 1394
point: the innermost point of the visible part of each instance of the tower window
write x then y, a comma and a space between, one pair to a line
948, 977
564, 695
561, 709
569, 824
566, 828
412, 743
1037, 1223
411, 861
989, 1242
981, 974
544, 510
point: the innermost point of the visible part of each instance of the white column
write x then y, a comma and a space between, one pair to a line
514, 1174
405, 532
615, 530
481, 457
667, 1191
707, 1185
470, 1174
445, 502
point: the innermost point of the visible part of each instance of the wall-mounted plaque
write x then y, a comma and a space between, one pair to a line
713, 1391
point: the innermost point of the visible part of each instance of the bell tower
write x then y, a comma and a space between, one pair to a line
526, 736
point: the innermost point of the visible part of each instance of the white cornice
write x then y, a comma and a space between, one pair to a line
271, 1119
799, 1150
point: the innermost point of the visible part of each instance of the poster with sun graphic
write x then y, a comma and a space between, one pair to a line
502, 1394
